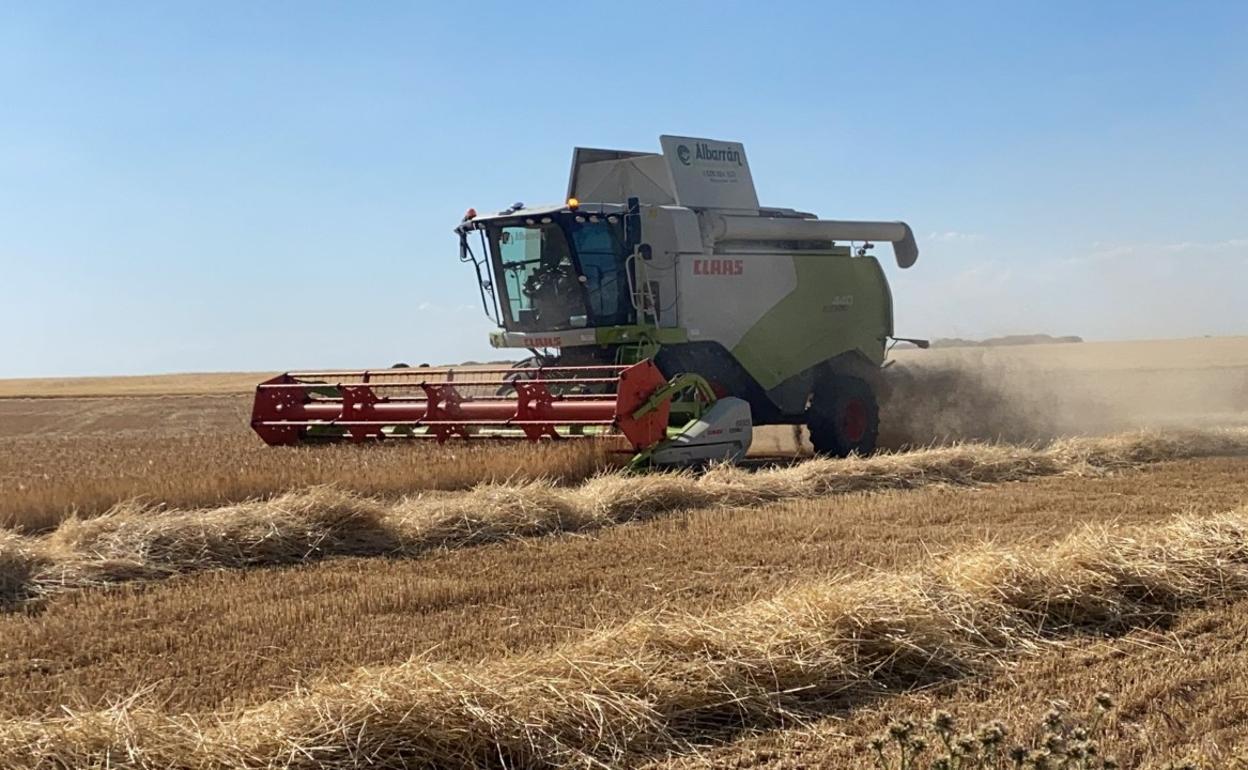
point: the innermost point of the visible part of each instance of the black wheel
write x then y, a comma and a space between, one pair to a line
843, 418
521, 370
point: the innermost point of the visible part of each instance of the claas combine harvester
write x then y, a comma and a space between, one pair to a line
660, 303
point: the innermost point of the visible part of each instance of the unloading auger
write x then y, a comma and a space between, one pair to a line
660, 303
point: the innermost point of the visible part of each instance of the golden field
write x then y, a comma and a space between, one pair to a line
774, 616
64, 456
197, 384
83, 445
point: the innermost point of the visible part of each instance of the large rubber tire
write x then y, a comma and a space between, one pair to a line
520, 370
843, 418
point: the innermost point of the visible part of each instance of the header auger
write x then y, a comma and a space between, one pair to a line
661, 303
635, 401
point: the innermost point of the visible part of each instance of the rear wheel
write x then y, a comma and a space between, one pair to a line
843, 418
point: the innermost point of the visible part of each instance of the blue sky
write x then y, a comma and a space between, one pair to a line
239, 186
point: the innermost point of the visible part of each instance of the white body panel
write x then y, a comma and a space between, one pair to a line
724, 433
644, 177
709, 174
675, 238
558, 339
722, 296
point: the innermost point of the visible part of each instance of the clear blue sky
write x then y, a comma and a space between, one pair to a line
236, 186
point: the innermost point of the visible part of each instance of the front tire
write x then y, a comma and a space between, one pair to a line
843, 418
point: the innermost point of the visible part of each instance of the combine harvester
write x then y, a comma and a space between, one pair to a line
659, 302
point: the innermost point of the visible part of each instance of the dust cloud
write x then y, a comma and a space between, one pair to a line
1036, 393
1036, 396
950, 402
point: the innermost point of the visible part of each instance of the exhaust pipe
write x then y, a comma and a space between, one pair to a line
722, 227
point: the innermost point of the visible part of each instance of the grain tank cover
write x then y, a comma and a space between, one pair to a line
692, 172
710, 174
614, 176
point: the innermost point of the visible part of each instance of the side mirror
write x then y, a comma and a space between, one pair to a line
918, 343
645, 251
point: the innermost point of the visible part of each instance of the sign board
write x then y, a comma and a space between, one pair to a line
711, 174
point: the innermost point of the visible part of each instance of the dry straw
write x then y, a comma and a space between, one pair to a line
20, 563
134, 541
662, 683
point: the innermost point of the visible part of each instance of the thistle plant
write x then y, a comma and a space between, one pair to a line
1069, 742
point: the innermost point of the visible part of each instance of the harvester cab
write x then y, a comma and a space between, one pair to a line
660, 301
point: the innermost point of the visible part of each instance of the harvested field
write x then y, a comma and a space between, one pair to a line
60, 457
221, 638
1179, 688
237, 615
137, 542
657, 683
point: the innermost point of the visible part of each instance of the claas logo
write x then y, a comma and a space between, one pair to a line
718, 267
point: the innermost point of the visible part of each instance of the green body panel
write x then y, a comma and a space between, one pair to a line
841, 304
616, 335
607, 335
636, 343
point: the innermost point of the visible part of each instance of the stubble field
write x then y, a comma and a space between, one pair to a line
771, 617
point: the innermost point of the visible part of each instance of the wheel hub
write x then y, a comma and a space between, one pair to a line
854, 420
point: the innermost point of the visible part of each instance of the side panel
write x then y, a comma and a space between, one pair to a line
673, 235
838, 304
723, 296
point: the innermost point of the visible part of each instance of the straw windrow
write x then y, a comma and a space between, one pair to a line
20, 562
660, 683
134, 541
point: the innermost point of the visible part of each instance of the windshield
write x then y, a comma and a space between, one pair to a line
554, 279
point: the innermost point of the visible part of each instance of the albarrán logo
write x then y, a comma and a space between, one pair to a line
682, 153
707, 152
